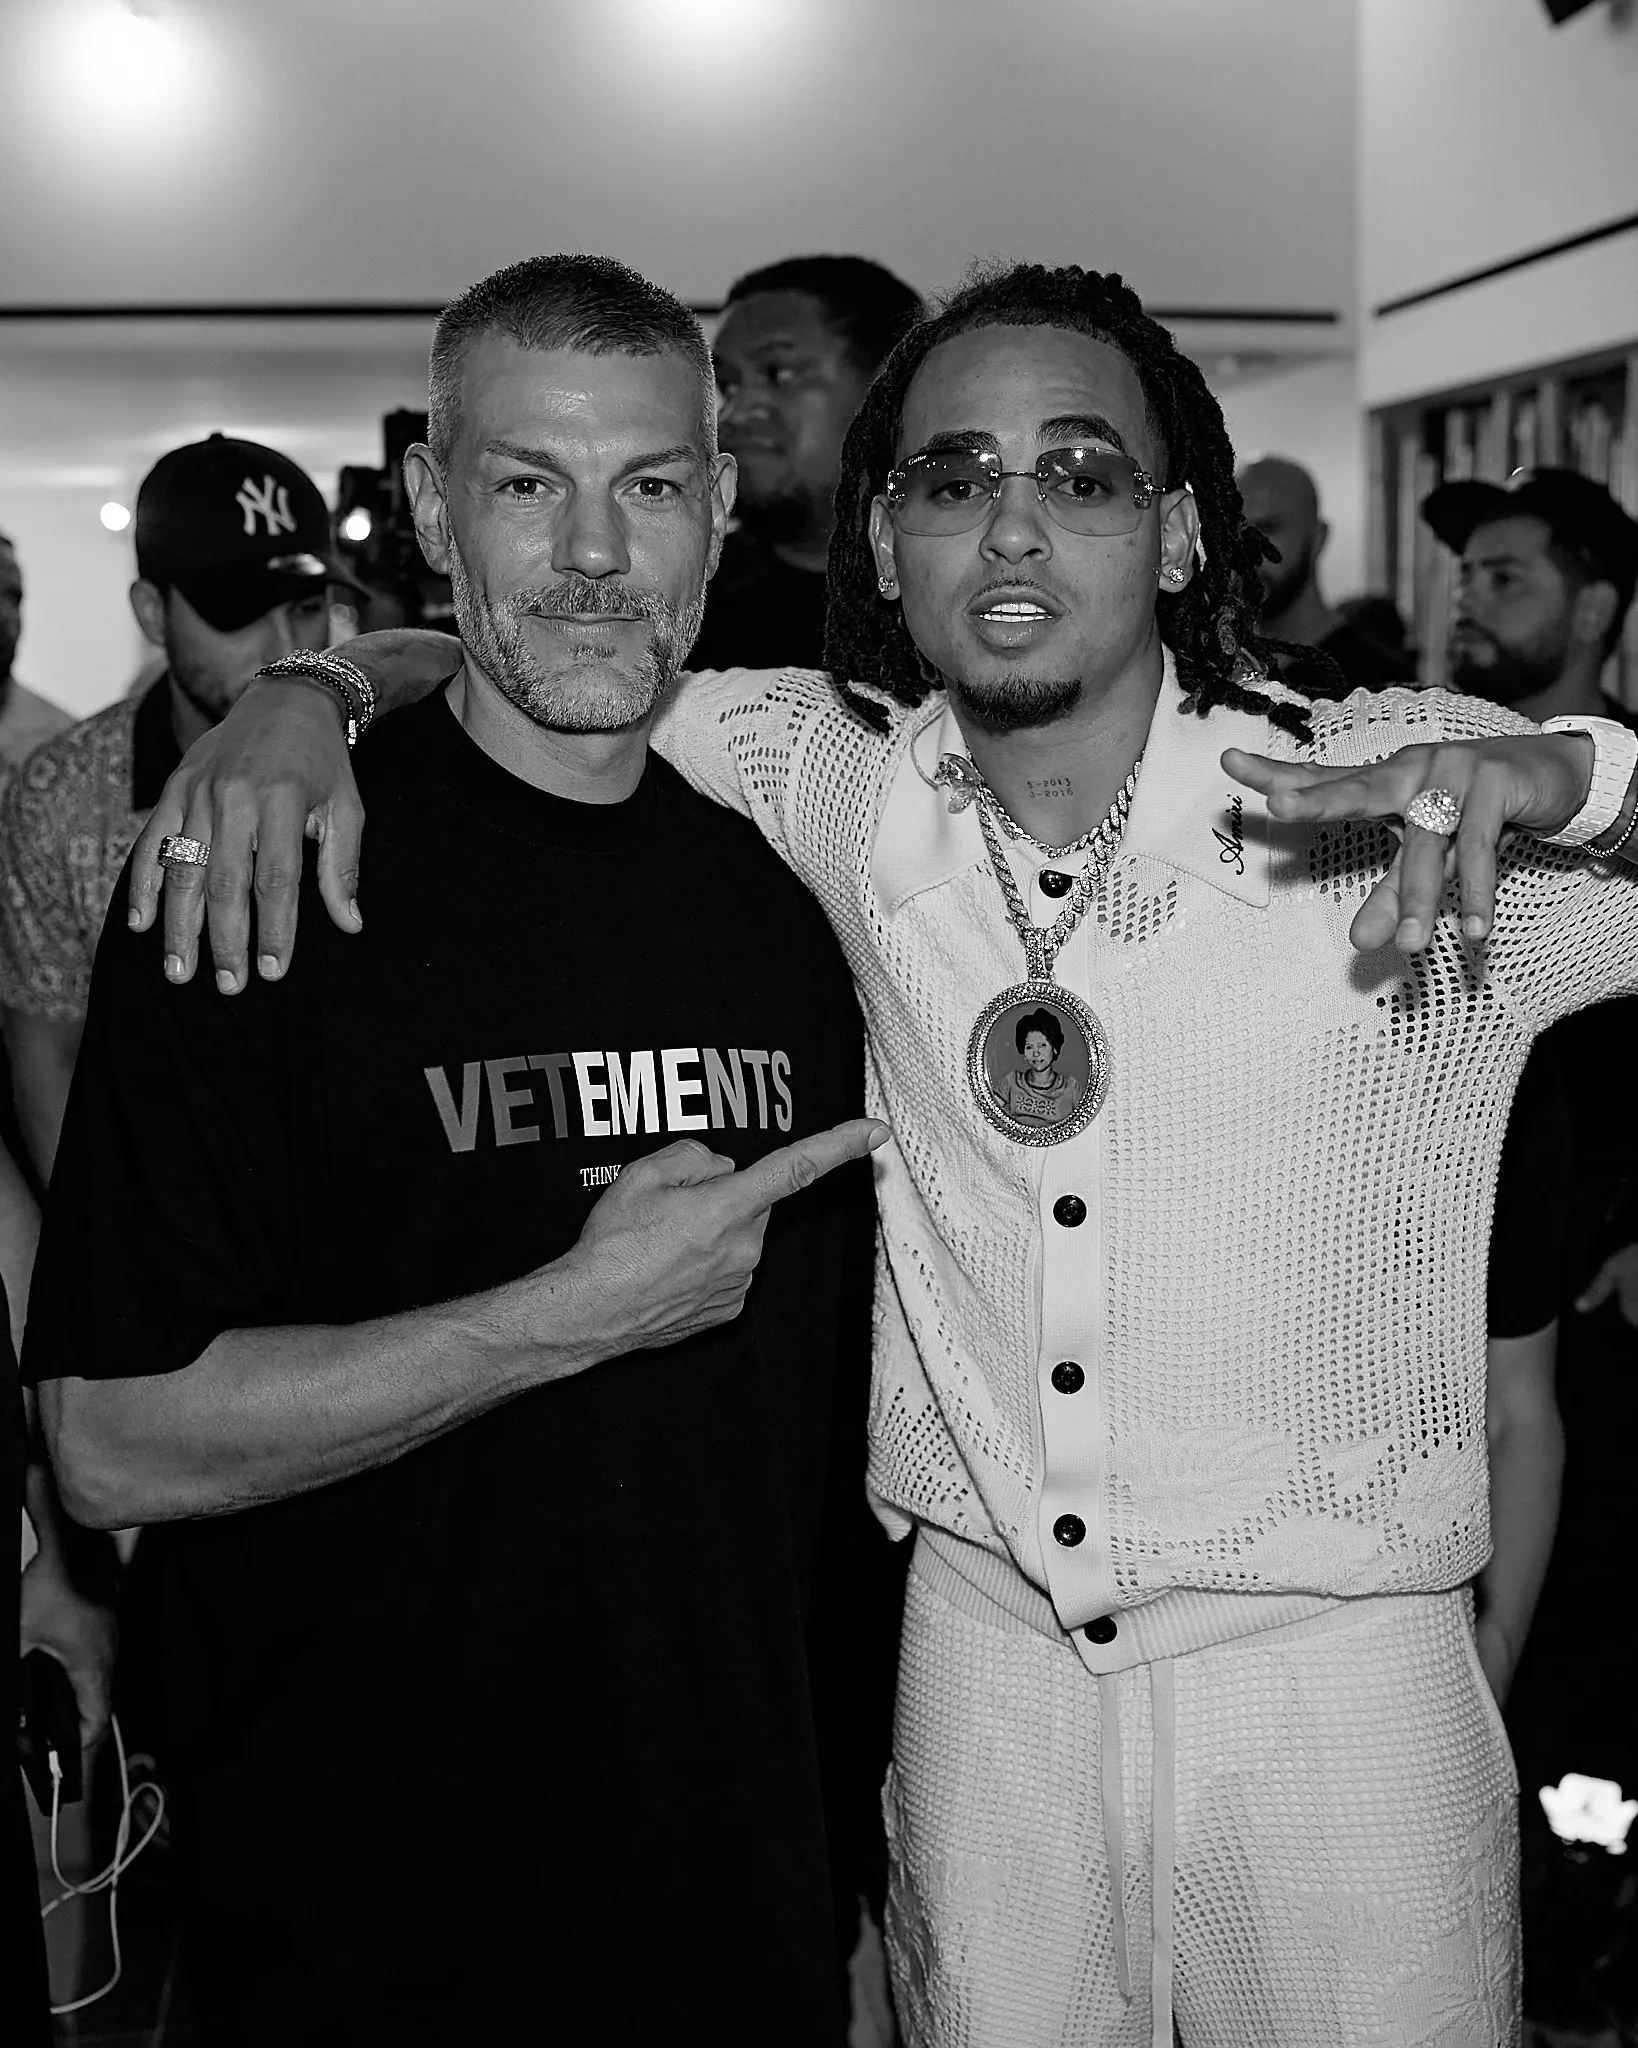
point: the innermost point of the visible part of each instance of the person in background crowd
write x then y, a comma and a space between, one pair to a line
1377, 617
797, 348
794, 355
1187, 1412
1282, 503
233, 569
26, 718
489, 1498
1549, 564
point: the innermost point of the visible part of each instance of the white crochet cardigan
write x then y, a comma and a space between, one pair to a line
1278, 1293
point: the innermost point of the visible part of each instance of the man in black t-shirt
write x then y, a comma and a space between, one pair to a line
1282, 502
487, 1517
797, 348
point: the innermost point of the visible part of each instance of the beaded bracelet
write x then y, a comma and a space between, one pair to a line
1609, 852
349, 682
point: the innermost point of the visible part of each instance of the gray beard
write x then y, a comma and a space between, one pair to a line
592, 696
1019, 702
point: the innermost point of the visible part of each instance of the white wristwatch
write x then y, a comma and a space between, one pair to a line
1615, 758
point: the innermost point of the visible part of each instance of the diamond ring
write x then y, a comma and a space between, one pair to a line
178, 852
1435, 810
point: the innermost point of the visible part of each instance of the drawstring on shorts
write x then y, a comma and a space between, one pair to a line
1163, 1833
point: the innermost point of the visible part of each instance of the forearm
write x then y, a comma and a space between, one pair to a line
404, 664
45, 1514
266, 1413
1526, 1472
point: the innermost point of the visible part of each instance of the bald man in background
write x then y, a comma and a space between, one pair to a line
26, 718
1282, 502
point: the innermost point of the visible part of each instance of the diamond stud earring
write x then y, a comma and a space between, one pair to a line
885, 585
1174, 573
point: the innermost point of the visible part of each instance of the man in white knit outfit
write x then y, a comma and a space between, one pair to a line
1183, 1400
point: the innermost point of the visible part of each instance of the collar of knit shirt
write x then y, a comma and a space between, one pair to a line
1187, 811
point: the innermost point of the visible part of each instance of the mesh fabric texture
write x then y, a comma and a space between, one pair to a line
1281, 1310
1345, 1839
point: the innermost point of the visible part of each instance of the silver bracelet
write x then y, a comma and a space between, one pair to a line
1609, 852
349, 682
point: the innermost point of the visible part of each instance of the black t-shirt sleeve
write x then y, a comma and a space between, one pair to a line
1532, 1185
168, 1215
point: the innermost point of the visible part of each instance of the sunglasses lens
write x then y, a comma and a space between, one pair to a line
1084, 490
948, 492
1092, 490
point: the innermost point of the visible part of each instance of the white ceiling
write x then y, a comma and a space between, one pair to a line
286, 153
393, 150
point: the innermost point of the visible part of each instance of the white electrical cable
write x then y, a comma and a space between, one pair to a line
124, 1856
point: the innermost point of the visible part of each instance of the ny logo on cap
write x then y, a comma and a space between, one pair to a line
271, 502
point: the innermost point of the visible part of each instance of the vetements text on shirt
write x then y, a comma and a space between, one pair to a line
674, 1088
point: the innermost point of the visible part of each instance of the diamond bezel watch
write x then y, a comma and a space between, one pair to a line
1615, 758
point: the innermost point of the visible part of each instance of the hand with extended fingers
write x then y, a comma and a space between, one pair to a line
275, 769
1535, 782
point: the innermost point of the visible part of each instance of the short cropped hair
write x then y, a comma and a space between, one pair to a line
576, 302
864, 304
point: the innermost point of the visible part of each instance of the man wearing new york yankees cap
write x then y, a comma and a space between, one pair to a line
233, 569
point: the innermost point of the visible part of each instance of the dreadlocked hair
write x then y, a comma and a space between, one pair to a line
1209, 625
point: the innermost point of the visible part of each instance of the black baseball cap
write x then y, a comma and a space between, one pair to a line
236, 527
1578, 513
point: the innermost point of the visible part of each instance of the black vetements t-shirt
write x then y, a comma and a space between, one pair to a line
760, 612
519, 1723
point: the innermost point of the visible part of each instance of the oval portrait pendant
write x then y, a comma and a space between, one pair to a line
1038, 1063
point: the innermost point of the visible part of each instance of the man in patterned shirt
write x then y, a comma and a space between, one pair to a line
233, 569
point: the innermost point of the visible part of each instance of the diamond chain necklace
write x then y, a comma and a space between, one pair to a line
1042, 945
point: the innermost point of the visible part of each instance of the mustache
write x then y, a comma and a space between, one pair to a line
590, 598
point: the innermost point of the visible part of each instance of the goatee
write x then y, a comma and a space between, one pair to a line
1014, 703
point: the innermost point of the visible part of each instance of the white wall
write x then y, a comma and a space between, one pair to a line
1484, 132
1311, 414
90, 406
80, 644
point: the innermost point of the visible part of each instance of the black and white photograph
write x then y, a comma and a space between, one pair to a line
818, 965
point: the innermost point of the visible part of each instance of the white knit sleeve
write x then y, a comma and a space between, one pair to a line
735, 733
1566, 926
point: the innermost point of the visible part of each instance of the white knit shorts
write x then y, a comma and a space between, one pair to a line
1336, 1812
